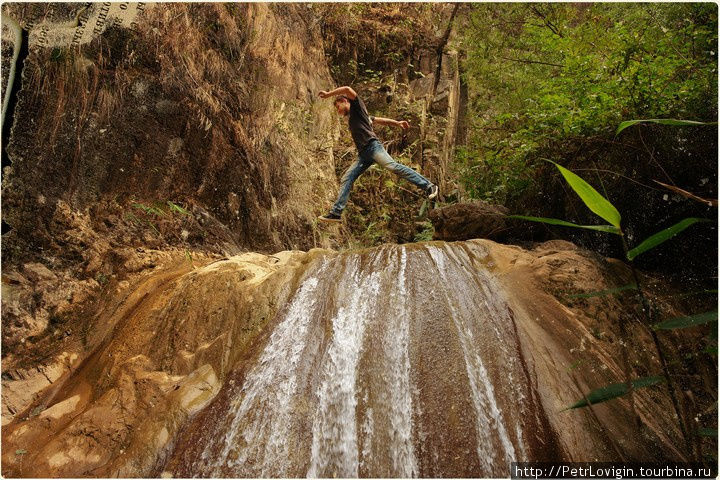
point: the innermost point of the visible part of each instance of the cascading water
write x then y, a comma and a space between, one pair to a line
394, 362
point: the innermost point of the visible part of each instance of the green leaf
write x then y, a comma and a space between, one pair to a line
177, 208
691, 321
149, 210
20, 451
708, 432
664, 235
600, 293
598, 204
555, 221
423, 208
615, 390
661, 121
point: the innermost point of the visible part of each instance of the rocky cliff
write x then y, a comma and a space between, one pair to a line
137, 129
207, 106
134, 130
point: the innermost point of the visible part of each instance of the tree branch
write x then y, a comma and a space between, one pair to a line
532, 61
548, 23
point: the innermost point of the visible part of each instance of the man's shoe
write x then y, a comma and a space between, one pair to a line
432, 191
330, 218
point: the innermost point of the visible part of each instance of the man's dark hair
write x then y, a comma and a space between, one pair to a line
339, 98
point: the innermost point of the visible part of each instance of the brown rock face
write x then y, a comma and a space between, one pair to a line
117, 405
464, 221
208, 105
435, 359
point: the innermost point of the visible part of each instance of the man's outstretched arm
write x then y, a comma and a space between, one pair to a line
391, 123
347, 91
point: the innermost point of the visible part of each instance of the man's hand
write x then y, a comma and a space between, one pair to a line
347, 91
404, 124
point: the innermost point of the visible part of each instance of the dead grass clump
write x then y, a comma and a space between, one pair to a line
201, 51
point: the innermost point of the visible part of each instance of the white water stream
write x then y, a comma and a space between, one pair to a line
398, 362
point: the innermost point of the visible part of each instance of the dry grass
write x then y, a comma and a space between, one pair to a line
220, 67
201, 51
69, 81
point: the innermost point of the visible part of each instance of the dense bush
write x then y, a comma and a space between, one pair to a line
542, 76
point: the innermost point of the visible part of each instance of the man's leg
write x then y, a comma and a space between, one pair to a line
384, 159
346, 183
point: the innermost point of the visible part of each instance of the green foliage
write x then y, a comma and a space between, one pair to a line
603, 208
542, 77
373, 233
663, 236
600, 206
177, 208
490, 175
592, 199
150, 210
614, 390
133, 218
691, 321
555, 221
426, 234
661, 121
708, 432
157, 211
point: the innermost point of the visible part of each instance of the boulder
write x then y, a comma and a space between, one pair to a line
463, 221
37, 272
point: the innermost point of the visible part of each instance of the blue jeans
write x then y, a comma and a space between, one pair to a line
375, 152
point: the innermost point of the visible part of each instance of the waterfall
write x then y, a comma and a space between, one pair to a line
395, 362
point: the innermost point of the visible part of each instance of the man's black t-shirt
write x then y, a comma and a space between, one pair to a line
360, 124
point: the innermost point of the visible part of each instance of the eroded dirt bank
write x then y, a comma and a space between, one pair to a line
367, 362
208, 106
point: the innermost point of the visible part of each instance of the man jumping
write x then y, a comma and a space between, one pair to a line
369, 148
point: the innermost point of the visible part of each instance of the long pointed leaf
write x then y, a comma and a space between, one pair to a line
555, 221
691, 321
663, 235
614, 390
599, 205
662, 121
177, 208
